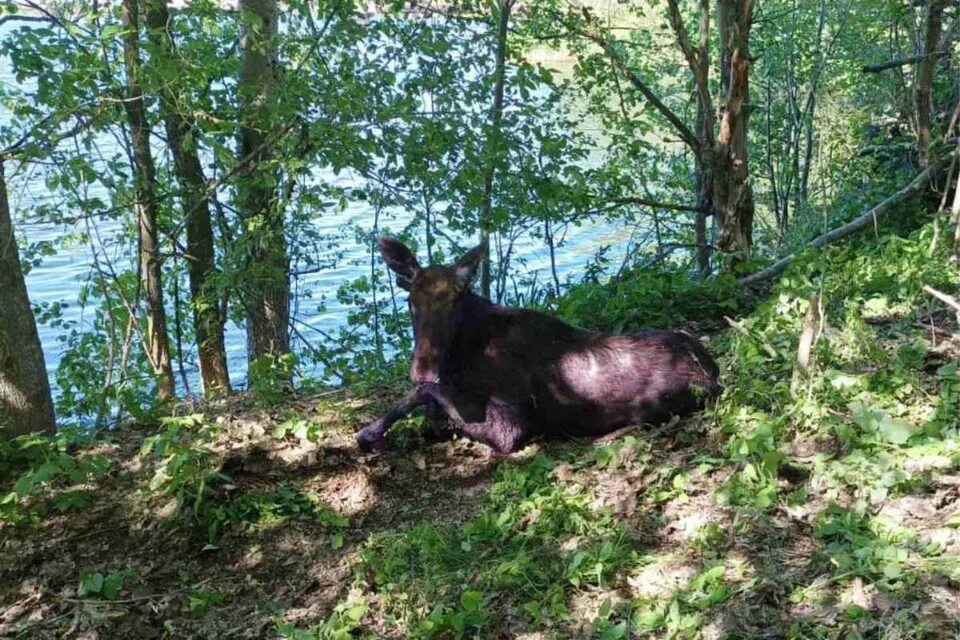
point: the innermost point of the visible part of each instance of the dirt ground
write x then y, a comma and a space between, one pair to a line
292, 570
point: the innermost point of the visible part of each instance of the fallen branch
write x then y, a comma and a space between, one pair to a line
948, 300
871, 216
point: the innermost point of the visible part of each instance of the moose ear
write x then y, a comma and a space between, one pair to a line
399, 259
466, 266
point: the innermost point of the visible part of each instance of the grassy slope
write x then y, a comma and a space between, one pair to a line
830, 512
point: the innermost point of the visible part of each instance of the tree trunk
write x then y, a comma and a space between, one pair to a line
732, 192
266, 286
208, 316
25, 401
803, 193
493, 142
722, 167
923, 90
702, 174
158, 343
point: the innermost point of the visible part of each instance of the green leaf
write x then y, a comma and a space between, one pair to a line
300, 430
471, 600
112, 585
91, 583
896, 431
954, 520
948, 370
615, 632
605, 608
356, 612
892, 571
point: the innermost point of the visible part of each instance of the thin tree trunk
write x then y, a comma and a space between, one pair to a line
25, 401
923, 90
266, 287
705, 123
158, 343
722, 169
492, 150
803, 194
772, 170
208, 316
732, 192
698, 59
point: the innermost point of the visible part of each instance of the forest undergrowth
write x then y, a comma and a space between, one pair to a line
819, 498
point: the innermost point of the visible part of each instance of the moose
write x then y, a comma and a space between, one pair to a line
502, 375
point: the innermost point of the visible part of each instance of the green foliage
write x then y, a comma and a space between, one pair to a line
38, 472
199, 601
879, 549
649, 297
342, 624
183, 448
95, 585
679, 615
946, 416
386, 122
533, 543
297, 427
186, 471
867, 293
270, 378
259, 510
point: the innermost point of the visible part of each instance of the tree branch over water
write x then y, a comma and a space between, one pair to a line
654, 204
611, 49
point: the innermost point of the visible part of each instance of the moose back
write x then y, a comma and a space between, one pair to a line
502, 375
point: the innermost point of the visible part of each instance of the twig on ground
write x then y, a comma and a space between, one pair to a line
948, 300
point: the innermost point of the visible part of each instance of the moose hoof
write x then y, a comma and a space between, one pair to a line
370, 440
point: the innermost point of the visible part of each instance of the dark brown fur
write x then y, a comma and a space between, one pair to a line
502, 375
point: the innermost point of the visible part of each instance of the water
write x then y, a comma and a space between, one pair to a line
58, 278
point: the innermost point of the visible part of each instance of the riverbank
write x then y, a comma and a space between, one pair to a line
824, 504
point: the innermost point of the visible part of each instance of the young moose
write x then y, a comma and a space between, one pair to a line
502, 375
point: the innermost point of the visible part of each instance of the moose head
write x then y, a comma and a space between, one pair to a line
437, 296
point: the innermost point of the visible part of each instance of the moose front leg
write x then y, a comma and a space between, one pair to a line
500, 425
373, 437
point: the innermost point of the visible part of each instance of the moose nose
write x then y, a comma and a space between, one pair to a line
423, 371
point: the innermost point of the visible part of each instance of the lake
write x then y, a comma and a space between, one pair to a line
58, 278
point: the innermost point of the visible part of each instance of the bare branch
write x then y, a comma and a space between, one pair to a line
676, 22
948, 300
942, 52
900, 62
696, 59
611, 50
654, 204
